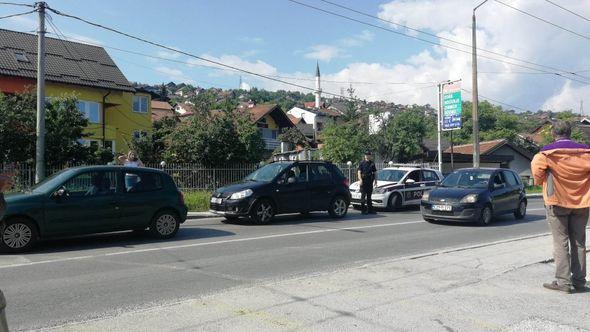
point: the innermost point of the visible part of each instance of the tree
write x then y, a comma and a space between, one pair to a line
216, 140
402, 136
163, 92
294, 136
64, 127
153, 148
345, 142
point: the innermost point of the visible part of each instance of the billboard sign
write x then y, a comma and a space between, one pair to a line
452, 106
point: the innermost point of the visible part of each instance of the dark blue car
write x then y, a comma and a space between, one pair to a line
476, 195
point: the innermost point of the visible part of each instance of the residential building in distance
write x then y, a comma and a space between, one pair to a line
116, 111
161, 110
270, 120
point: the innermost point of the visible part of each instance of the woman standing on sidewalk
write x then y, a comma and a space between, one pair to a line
563, 168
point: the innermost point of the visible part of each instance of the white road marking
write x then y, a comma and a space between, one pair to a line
182, 246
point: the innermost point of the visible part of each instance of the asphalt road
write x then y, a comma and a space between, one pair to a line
85, 278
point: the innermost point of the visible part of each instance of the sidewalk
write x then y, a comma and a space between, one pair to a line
497, 287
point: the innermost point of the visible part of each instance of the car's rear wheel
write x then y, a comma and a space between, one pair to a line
262, 212
486, 216
18, 235
520, 212
165, 225
395, 202
338, 207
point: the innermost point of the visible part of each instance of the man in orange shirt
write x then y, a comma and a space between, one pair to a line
563, 168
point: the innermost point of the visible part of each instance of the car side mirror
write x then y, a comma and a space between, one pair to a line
291, 180
410, 181
498, 186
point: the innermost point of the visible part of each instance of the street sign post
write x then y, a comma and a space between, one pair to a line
452, 106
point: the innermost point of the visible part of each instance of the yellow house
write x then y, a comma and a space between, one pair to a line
116, 111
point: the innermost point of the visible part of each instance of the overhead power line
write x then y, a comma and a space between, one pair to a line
498, 101
18, 14
447, 39
443, 45
568, 10
16, 4
543, 20
192, 55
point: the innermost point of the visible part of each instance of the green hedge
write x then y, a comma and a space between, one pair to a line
197, 201
534, 189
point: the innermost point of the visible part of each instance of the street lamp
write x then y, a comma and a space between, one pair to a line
475, 100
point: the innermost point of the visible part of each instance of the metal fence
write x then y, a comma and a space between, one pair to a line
189, 177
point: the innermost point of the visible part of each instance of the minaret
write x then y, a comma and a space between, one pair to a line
318, 90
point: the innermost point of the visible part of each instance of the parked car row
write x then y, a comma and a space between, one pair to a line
102, 199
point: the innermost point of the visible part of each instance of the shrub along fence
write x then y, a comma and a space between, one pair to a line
188, 177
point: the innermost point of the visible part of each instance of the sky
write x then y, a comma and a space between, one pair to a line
380, 60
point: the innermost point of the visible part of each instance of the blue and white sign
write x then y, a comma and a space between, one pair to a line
452, 107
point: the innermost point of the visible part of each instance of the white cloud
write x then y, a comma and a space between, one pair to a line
568, 98
358, 40
502, 30
82, 39
174, 75
245, 86
324, 52
257, 66
169, 54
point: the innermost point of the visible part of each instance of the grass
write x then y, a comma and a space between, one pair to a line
197, 201
534, 189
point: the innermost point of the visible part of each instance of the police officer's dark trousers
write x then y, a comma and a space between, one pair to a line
366, 193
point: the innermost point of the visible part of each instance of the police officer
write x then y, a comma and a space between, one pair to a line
366, 175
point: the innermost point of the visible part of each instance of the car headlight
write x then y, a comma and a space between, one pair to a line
471, 198
379, 190
426, 195
241, 194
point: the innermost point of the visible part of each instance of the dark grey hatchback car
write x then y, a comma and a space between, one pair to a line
94, 199
476, 195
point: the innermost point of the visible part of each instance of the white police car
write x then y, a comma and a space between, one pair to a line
398, 186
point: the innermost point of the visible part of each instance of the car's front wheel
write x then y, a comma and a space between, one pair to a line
395, 202
520, 212
486, 216
338, 207
165, 225
262, 212
18, 235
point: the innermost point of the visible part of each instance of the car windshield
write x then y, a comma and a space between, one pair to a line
267, 173
468, 179
51, 182
391, 175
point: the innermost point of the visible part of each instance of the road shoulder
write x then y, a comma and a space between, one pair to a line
493, 287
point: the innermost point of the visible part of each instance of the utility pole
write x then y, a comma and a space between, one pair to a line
40, 145
475, 99
438, 122
581, 109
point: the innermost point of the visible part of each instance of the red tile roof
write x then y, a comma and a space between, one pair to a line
159, 114
162, 105
484, 147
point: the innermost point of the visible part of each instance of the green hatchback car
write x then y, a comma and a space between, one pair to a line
96, 199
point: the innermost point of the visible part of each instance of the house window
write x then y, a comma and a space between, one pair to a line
21, 57
89, 143
109, 145
262, 123
140, 104
269, 133
139, 134
90, 109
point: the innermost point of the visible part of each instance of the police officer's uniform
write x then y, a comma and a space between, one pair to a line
367, 169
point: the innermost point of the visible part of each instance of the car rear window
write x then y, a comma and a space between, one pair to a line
319, 173
137, 181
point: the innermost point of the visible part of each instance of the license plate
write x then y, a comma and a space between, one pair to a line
216, 200
442, 208
356, 195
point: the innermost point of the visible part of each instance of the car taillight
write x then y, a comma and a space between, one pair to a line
346, 183
181, 197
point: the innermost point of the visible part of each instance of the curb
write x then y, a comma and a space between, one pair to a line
201, 215
534, 195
